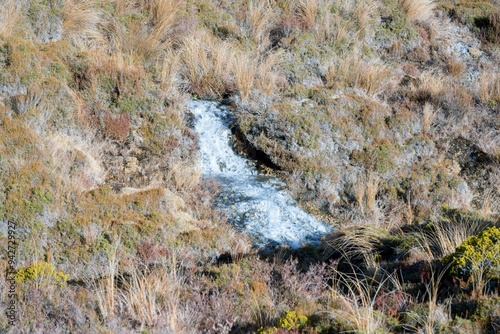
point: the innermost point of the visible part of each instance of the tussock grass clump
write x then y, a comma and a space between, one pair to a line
10, 18
80, 24
489, 87
455, 68
429, 86
357, 298
308, 12
358, 244
261, 18
116, 126
352, 71
207, 64
444, 237
153, 298
418, 10
214, 68
365, 192
245, 70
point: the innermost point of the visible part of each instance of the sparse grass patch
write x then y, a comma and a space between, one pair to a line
428, 115
429, 87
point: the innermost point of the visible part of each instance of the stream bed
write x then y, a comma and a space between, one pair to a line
256, 204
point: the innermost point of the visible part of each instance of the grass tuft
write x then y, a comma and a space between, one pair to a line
418, 10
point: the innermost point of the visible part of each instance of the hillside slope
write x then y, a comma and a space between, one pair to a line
382, 116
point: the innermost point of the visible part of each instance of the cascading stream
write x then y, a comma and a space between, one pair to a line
257, 204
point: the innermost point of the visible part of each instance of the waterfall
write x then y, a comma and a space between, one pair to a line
256, 204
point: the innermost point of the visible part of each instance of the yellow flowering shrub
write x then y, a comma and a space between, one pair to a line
39, 272
478, 253
291, 321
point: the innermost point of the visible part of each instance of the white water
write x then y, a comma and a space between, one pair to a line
257, 204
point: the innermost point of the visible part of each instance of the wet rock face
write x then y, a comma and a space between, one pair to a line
468, 155
475, 165
245, 147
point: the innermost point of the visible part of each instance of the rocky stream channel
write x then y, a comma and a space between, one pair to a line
256, 204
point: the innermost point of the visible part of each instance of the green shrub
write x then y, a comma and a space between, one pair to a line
478, 253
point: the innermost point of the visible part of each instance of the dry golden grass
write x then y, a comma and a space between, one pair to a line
357, 244
396, 49
330, 26
364, 12
445, 237
106, 293
261, 17
418, 10
488, 204
489, 143
147, 50
354, 299
213, 67
122, 6
207, 64
372, 183
428, 86
81, 21
331, 75
462, 96
489, 86
10, 18
308, 12
455, 67
87, 26
494, 30
164, 14
152, 297
65, 153
169, 72
184, 177
368, 76
428, 115
267, 78
245, 70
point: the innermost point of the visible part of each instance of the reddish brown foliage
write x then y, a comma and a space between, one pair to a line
116, 126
